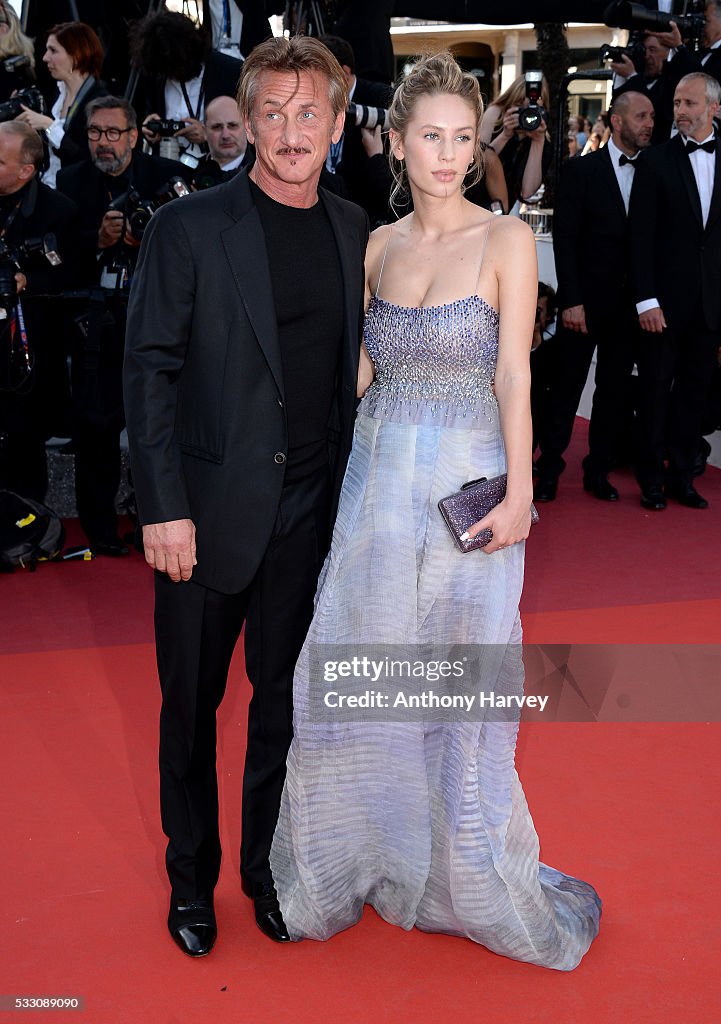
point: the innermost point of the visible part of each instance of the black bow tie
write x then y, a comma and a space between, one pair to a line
623, 160
707, 147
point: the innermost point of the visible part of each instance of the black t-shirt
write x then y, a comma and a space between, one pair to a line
308, 296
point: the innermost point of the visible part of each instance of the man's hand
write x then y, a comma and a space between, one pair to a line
21, 281
194, 131
574, 318
671, 39
624, 67
653, 320
111, 228
170, 547
152, 137
372, 141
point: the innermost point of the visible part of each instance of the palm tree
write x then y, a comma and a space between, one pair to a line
554, 58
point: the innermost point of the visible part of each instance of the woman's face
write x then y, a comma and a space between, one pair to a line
439, 144
60, 63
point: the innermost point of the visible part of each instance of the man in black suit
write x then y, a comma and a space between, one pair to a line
241, 364
658, 80
237, 26
675, 223
228, 148
106, 255
590, 240
33, 378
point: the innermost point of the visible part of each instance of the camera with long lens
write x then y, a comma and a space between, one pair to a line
11, 261
532, 117
624, 14
366, 117
30, 97
138, 211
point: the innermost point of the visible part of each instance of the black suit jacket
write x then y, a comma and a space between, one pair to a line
590, 237
87, 187
204, 394
674, 258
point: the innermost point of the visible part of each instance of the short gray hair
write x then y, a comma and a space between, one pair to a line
711, 85
31, 147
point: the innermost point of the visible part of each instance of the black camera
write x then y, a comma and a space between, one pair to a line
614, 53
532, 116
624, 14
138, 211
367, 117
13, 107
11, 260
165, 128
19, 66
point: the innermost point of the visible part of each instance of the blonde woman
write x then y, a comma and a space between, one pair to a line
525, 155
425, 820
14, 43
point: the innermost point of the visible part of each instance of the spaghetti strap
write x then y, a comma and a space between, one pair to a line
483, 255
383, 261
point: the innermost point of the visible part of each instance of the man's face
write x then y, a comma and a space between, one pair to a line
292, 125
111, 156
224, 130
635, 125
692, 112
712, 26
654, 57
13, 172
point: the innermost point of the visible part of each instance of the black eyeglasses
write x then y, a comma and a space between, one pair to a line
95, 134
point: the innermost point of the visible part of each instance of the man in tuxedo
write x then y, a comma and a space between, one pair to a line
590, 239
675, 227
658, 80
242, 354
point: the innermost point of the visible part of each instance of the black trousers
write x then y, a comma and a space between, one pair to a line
565, 370
196, 632
675, 372
97, 478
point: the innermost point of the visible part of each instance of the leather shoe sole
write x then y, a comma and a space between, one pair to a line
192, 925
112, 549
654, 501
600, 488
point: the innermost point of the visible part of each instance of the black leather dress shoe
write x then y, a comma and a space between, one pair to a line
600, 488
689, 497
267, 912
545, 488
192, 925
653, 499
111, 546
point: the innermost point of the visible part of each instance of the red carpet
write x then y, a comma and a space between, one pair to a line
632, 808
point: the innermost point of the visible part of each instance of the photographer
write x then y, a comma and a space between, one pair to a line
359, 159
14, 43
74, 57
107, 253
525, 155
180, 75
33, 384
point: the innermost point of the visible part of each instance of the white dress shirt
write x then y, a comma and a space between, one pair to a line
176, 109
713, 46
624, 175
226, 38
55, 133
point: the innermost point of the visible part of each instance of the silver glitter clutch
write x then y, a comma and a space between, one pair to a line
469, 505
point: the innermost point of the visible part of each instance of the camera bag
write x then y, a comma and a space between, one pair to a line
29, 533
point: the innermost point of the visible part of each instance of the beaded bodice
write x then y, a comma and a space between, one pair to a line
433, 364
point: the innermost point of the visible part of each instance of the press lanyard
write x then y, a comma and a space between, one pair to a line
194, 114
226, 19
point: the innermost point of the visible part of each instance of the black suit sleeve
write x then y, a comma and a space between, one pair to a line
160, 312
569, 228
643, 225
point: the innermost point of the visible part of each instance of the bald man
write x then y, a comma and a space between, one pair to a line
227, 144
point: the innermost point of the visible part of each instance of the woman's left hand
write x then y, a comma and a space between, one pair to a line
37, 121
509, 524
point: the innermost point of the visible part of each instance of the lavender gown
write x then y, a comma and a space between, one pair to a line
428, 823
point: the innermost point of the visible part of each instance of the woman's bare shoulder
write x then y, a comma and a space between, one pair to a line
512, 231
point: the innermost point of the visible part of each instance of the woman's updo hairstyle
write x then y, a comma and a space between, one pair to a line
433, 75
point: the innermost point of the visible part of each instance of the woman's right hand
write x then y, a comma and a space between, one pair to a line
37, 121
510, 122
